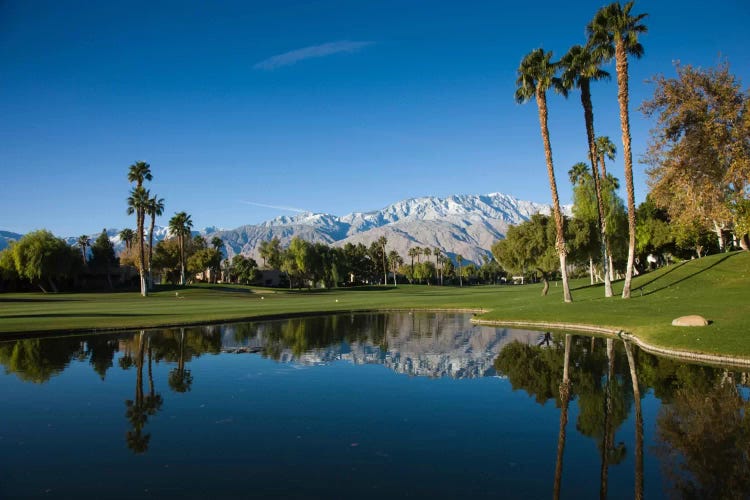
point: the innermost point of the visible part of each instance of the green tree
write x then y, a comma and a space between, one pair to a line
459, 261
614, 32
154, 209
40, 257
394, 262
103, 258
382, 242
270, 252
536, 75
582, 65
181, 225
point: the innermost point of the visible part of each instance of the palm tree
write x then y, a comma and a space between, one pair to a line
127, 236
437, 253
614, 31
581, 66
155, 208
536, 74
382, 241
604, 147
460, 259
137, 203
413, 252
84, 242
138, 172
427, 252
180, 226
395, 260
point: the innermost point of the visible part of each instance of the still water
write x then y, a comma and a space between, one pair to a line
365, 406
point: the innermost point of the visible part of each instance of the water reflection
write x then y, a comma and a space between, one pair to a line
699, 437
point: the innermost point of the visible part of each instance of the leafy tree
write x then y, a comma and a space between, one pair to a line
40, 257
244, 270
270, 251
582, 65
699, 150
529, 245
203, 259
614, 33
103, 256
181, 225
536, 75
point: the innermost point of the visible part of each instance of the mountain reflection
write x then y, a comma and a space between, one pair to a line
700, 435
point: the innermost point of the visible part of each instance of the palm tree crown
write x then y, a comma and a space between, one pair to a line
138, 172
537, 73
614, 24
581, 65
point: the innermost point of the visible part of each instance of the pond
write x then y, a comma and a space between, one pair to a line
365, 406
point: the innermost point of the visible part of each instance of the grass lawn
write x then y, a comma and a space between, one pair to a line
715, 287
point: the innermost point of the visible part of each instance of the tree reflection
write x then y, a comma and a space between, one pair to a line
37, 360
139, 409
704, 436
180, 379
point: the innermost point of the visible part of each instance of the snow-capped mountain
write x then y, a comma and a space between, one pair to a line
458, 224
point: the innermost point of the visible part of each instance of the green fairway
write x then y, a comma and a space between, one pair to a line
715, 287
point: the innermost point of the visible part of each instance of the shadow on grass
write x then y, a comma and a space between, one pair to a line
661, 287
19, 300
75, 315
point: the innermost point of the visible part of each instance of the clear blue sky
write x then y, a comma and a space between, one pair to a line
327, 106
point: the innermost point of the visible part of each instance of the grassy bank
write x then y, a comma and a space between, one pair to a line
715, 287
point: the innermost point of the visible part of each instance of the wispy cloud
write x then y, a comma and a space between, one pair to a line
294, 56
276, 207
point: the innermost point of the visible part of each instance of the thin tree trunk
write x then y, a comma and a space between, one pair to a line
545, 288
719, 230
588, 113
564, 400
638, 424
621, 66
611, 266
151, 252
591, 270
541, 101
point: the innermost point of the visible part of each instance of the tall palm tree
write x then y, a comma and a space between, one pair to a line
438, 253
413, 252
127, 236
614, 31
155, 208
604, 148
395, 261
536, 74
427, 252
582, 65
180, 225
382, 241
459, 260
83, 242
137, 204
138, 172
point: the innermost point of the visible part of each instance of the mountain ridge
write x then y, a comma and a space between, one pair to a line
465, 224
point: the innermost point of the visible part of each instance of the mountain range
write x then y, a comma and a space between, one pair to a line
457, 224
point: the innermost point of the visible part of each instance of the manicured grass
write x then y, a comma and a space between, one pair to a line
715, 287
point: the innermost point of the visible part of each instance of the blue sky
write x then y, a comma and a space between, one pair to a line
327, 106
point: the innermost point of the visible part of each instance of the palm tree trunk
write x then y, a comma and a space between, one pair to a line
638, 424
182, 260
621, 66
591, 270
541, 101
564, 400
151, 251
588, 113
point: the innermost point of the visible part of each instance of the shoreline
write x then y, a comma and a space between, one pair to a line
678, 354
